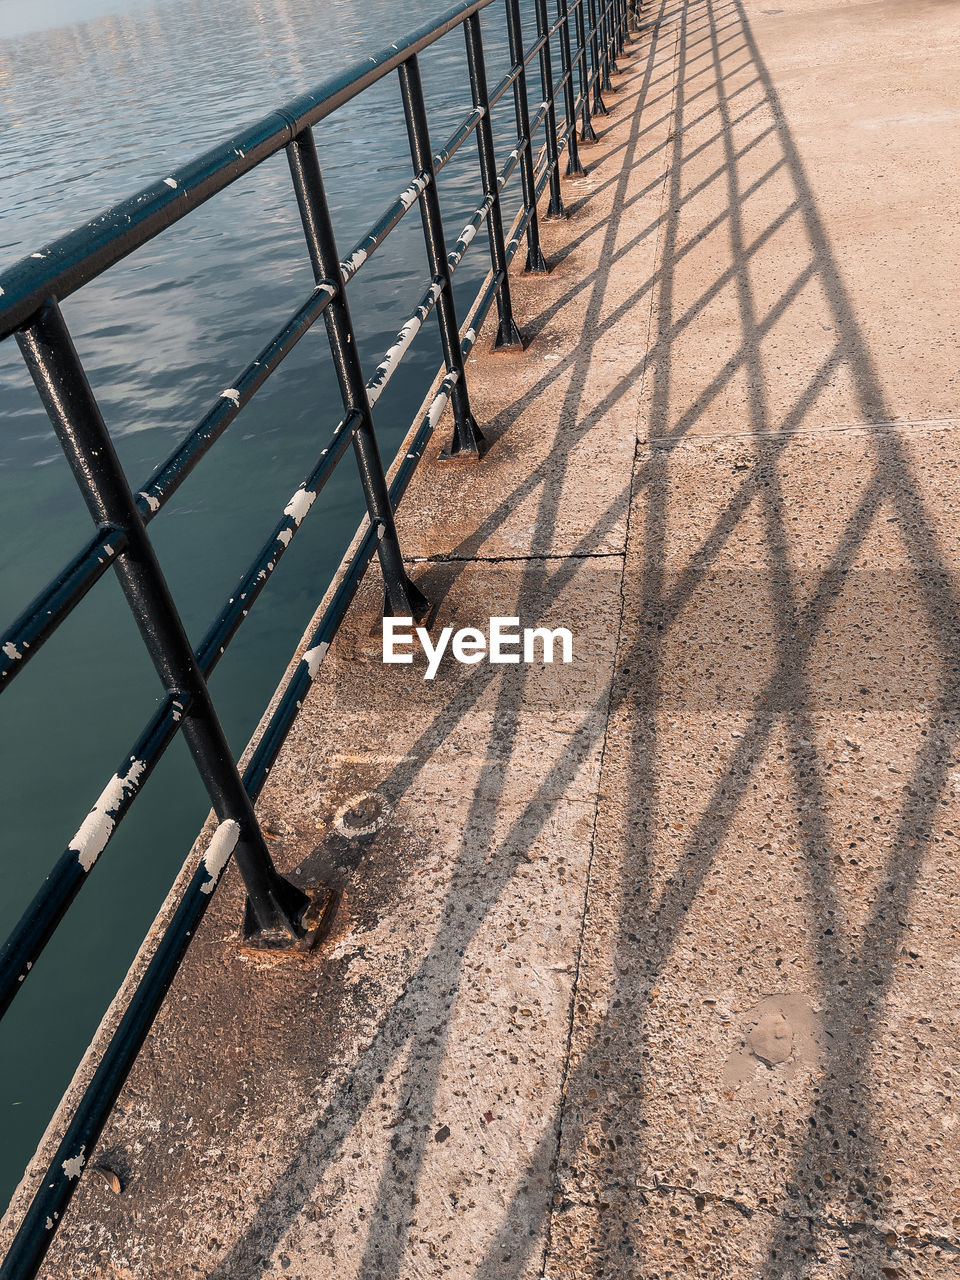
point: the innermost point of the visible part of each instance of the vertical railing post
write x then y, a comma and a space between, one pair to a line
467, 437
596, 62
587, 131
606, 44
574, 168
402, 597
614, 30
275, 908
508, 335
555, 207
628, 25
535, 259
621, 24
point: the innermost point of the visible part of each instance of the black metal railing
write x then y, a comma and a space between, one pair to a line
588, 34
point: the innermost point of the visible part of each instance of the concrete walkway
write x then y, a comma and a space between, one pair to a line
647, 966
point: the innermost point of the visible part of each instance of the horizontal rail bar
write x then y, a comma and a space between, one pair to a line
33, 627
274, 735
533, 49
469, 232
48, 1205
501, 87
64, 265
391, 360
57, 600
79, 257
60, 597
36, 926
560, 84
458, 138
538, 119
171, 473
265, 563
368, 244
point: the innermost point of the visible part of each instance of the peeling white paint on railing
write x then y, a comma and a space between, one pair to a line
440, 400
414, 191
73, 1167
299, 505
350, 266
468, 232
313, 657
359, 255
222, 844
387, 366
97, 828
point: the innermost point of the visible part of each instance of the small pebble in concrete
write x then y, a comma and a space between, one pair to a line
108, 1178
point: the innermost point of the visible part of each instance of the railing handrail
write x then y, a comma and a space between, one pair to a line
278, 913
59, 268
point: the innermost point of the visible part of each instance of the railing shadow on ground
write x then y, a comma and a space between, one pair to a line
711, 45
292, 1190
849, 1151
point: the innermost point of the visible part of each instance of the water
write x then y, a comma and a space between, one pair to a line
99, 97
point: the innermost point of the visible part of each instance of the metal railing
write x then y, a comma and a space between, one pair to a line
589, 34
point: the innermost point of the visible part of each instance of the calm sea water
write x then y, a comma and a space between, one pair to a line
98, 97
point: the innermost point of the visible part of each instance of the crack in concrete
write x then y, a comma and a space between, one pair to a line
741, 1206
440, 558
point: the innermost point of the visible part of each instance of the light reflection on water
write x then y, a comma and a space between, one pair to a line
99, 97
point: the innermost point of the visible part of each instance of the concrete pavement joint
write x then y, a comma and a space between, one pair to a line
549, 1241
664, 444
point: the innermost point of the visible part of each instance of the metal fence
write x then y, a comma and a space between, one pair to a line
588, 35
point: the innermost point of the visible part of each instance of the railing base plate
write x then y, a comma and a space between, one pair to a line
315, 921
509, 338
469, 442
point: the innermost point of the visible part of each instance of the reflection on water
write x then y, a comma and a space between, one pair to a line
98, 97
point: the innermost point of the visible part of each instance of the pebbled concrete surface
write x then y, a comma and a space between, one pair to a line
647, 966
763, 1064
